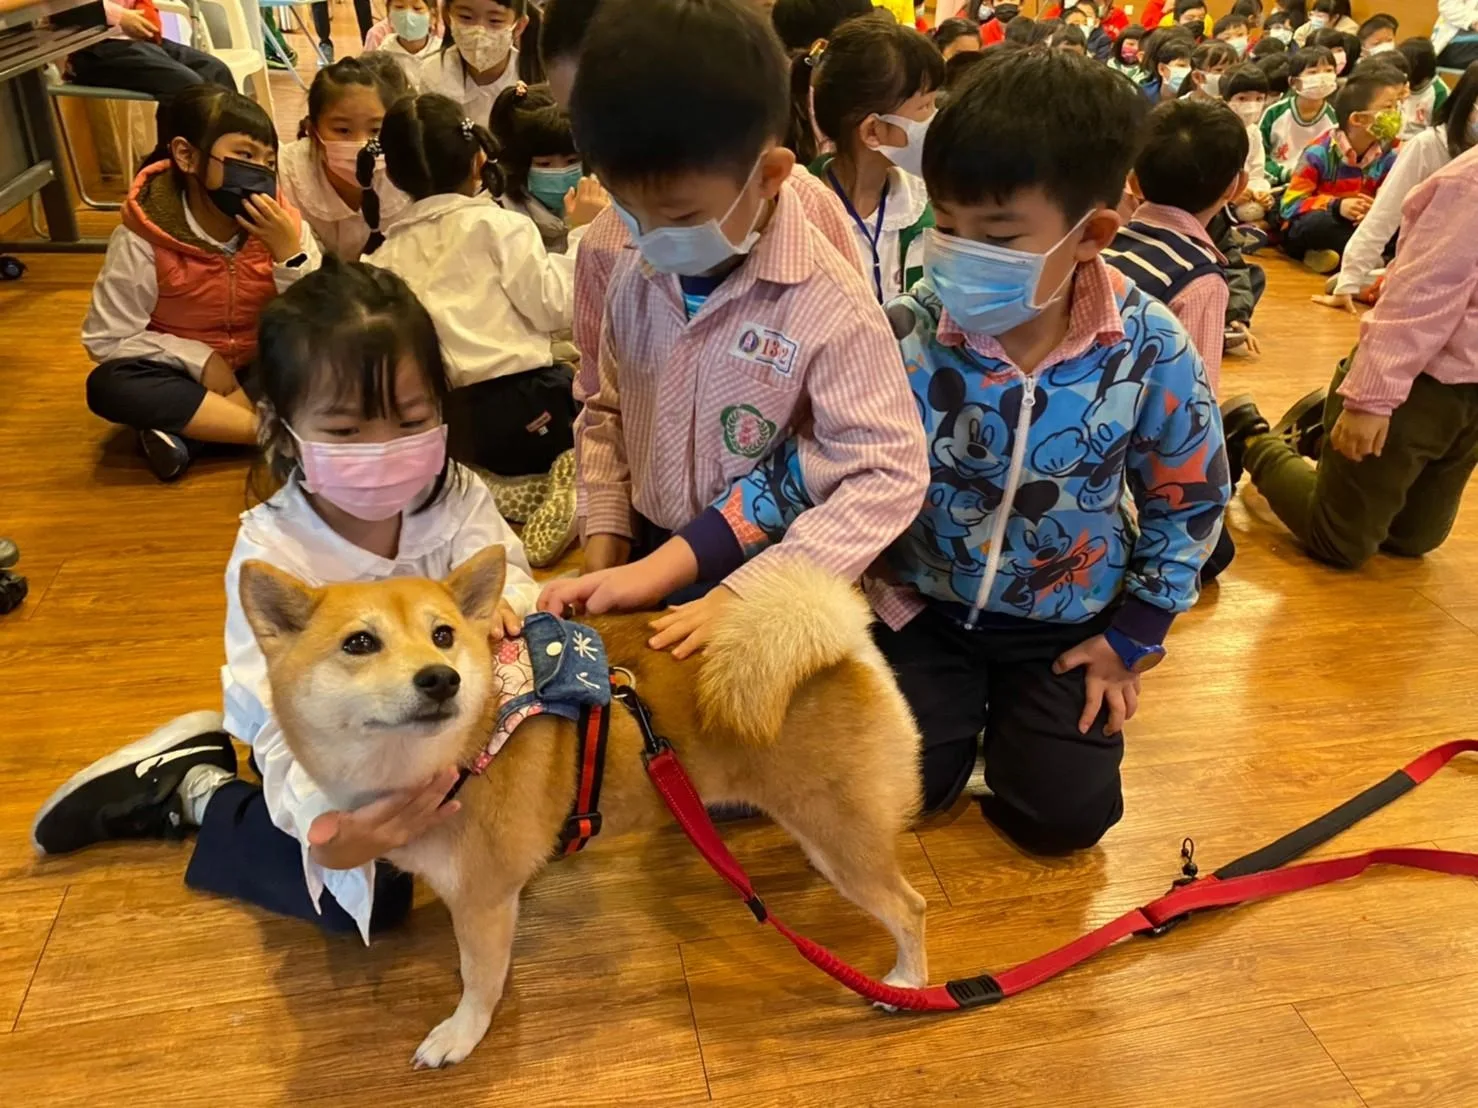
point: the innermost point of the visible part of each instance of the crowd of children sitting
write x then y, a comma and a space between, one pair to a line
947, 317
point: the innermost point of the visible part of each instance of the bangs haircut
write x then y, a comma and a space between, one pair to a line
346, 327
526, 124
870, 68
1036, 118
667, 87
1307, 57
202, 114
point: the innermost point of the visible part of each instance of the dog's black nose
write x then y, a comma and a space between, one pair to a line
440, 683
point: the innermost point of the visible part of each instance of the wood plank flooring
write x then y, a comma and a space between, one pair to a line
637, 980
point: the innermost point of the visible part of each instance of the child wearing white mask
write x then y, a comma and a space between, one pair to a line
281, 845
873, 94
320, 171
1303, 116
481, 60
412, 34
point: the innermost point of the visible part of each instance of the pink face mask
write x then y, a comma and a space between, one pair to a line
372, 480
342, 158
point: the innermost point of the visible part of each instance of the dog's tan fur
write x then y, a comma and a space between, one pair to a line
791, 708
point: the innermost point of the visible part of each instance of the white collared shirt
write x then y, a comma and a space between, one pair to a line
127, 291
445, 73
341, 230
903, 207
414, 65
493, 291
287, 533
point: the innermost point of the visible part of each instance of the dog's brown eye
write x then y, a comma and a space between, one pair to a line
361, 642
443, 636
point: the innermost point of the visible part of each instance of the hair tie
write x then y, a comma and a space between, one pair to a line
520, 90
373, 148
466, 128
813, 55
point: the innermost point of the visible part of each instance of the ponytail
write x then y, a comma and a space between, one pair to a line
492, 173
801, 134
369, 202
429, 146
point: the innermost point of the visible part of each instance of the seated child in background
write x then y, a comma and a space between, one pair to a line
1124, 58
1189, 167
731, 301
1167, 60
873, 91
1338, 177
394, 84
1245, 89
1070, 38
1097, 41
1403, 424
346, 105
1338, 44
957, 36
279, 845
1365, 256
1377, 35
1302, 117
1233, 30
1021, 601
411, 33
138, 57
498, 300
203, 246
1276, 67
483, 58
1326, 15
1419, 109
1208, 62
957, 69
543, 176
1277, 26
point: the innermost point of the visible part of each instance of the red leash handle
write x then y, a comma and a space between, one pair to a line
1233, 884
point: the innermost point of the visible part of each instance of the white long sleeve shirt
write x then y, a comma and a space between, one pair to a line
444, 72
340, 229
493, 291
287, 533
1364, 253
127, 290
1454, 17
1256, 164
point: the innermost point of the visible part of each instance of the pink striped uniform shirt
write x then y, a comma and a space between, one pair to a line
1426, 320
792, 343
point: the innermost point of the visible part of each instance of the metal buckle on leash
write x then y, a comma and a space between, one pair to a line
1188, 872
652, 745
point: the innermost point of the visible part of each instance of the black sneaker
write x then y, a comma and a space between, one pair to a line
1302, 425
1240, 420
132, 793
168, 455
326, 52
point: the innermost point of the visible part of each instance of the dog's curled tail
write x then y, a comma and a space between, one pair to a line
790, 625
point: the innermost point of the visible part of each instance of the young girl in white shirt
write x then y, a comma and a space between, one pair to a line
352, 383
498, 299
411, 33
346, 105
482, 59
872, 95
206, 241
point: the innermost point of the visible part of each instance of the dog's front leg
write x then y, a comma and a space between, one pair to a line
485, 942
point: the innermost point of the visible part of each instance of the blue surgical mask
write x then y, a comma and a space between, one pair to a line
549, 186
411, 26
692, 251
988, 290
1178, 74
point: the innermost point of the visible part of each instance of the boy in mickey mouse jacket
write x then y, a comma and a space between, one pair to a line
1024, 601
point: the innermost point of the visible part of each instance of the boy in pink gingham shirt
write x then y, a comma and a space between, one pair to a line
735, 323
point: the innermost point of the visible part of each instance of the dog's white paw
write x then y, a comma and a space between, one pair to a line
899, 980
450, 1041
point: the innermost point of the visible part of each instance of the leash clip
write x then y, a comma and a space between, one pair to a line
1188, 873
652, 744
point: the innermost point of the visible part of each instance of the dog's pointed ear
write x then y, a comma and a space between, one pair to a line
277, 604
477, 584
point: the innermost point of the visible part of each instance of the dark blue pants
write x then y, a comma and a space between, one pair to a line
1259, 280
241, 853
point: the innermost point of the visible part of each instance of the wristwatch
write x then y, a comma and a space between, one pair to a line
296, 260
1137, 657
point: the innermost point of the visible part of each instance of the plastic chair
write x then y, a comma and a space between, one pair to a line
293, 9
226, 19
58, 89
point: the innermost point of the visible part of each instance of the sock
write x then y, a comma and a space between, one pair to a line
198, 786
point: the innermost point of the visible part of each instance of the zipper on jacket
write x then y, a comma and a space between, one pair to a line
1008, 499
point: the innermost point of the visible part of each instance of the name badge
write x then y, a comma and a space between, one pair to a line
767, 347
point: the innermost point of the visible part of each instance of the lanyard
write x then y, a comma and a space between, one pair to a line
874, 236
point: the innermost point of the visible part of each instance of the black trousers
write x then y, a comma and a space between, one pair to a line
161, 69
1316, 231
513, 425
323, 23
1055, 790
149, 395
241, 853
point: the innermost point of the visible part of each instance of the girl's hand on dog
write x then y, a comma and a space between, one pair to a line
688, 627
348, 840
507, 624
1108, 684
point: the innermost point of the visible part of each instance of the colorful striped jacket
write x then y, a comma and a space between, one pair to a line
1330, 170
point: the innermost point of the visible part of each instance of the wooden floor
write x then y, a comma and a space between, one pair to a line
638, 979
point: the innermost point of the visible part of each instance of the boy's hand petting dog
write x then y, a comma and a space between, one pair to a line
1359, 434
348, 840
507, 624
687, 628
618, 589
269, 221
1109, 684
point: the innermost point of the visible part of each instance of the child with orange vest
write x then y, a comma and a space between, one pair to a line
203, 246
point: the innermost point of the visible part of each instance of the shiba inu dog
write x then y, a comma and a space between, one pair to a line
791, 708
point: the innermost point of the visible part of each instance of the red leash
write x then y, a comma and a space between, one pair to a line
1252, 877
